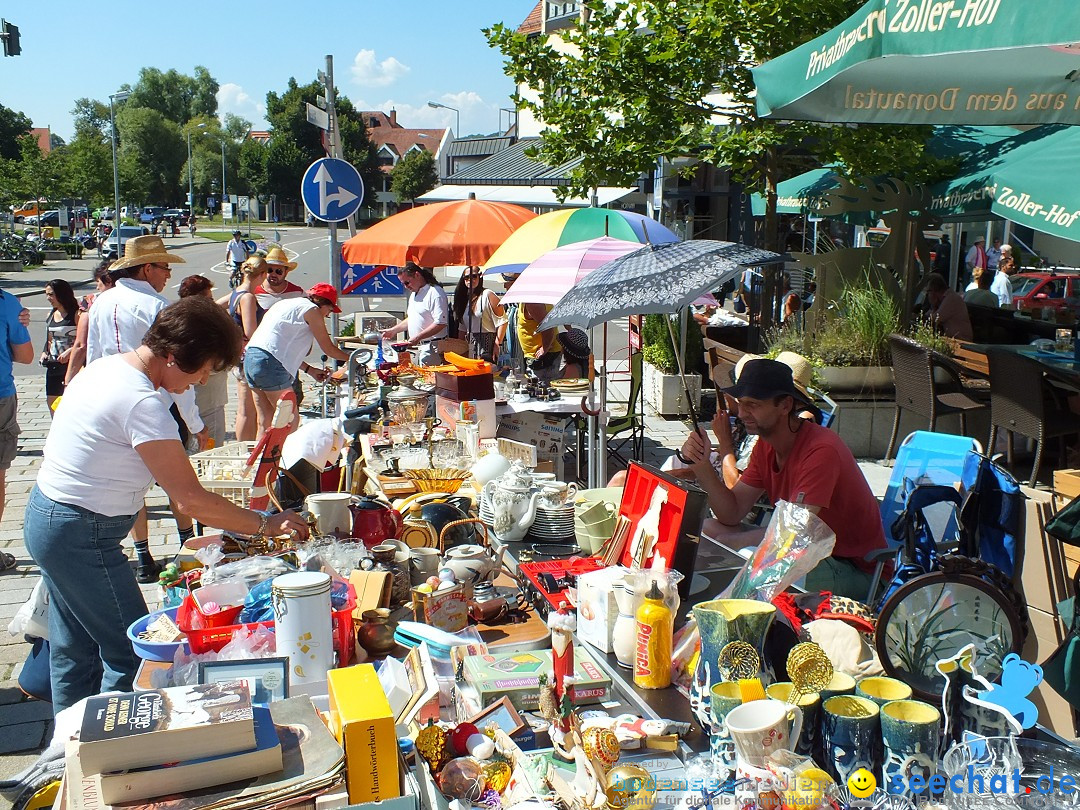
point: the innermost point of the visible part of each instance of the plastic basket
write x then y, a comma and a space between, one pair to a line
238, 492
230, 458
154, 650
212, 639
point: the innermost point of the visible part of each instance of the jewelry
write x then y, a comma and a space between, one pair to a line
170, 364
146, 368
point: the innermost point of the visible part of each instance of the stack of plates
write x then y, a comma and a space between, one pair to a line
487, 512
571, 385
553, 524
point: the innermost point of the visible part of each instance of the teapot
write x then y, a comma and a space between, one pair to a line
374, 522
471, 564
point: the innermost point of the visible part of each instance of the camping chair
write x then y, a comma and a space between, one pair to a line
632, 422
922, 458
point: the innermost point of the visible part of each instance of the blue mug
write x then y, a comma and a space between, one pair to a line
851, 736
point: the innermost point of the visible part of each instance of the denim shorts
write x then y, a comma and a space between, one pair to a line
263, 371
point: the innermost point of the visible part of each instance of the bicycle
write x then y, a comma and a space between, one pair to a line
237, 276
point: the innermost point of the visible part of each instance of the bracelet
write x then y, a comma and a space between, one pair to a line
264, 524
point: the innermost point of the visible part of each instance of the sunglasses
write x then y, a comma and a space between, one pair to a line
471, 276
276, 271
160, 266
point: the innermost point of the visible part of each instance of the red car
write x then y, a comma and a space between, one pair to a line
1045, 289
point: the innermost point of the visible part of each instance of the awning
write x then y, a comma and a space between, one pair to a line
522, 195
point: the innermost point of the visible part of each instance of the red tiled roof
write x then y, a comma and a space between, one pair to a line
401, 140
44, 138
261, 135
531, 24
381, 120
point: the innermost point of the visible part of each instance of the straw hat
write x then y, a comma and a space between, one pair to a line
140, 250
276, 255
802, 372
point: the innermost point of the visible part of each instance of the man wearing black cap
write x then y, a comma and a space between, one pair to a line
797, 461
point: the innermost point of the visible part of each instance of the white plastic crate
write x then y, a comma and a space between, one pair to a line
225, 463
239, 492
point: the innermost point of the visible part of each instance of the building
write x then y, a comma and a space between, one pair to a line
43, 136
393, 141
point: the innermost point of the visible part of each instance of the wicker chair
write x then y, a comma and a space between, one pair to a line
917, 390
1021, 402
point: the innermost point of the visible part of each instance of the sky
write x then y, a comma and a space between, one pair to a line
394, 54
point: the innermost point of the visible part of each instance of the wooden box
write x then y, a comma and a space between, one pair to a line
464, 386
1067, 487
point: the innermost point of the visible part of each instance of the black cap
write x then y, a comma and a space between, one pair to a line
764, 379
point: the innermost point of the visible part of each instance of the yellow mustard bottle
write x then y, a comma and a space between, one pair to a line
652, 659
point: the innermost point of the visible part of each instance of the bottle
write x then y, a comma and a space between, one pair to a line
652, 660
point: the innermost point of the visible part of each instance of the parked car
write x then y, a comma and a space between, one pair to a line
1045, 289
30, 208
151, 214
109, 250
180, 215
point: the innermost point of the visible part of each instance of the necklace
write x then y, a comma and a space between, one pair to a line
146, 368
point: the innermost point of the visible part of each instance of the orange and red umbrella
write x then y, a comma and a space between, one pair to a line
461, 232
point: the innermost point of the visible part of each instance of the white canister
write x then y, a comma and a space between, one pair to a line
331, 511
303, 624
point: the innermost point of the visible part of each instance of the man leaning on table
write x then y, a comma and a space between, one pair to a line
798, 461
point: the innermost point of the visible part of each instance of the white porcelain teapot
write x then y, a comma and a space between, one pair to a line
513, 502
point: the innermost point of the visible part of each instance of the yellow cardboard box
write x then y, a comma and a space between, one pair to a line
363, 722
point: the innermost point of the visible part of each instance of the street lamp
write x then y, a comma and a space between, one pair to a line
457, 115
190, 184
224, 195
113, 98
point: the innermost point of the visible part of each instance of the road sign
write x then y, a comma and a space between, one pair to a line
243, 204
332, 189
226, 210
318, 117
370, 279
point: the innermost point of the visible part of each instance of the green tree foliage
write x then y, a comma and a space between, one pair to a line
88, 167
177, 96
641, 79
252, 165
414, 175
90, 115
40, 176
152, 152
13, 125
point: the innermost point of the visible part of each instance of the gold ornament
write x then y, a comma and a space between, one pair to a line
600, 744
738, 661
549, 703
497, 775
629, 786
809, 670
432, 742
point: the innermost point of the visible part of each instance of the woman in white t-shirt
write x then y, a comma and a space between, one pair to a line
112, 437
426, 316
275, 353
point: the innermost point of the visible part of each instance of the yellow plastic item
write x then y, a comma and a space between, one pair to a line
652, 661
751, 689
44, 798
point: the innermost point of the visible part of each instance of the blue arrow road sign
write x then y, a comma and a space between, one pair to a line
370, 279
332, 189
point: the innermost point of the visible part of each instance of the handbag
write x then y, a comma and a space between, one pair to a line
739, 303
1065, 525
454, 345
1062, 669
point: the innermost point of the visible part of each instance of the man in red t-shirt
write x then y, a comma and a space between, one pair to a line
797, 461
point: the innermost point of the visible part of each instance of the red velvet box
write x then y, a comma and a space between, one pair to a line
680, 519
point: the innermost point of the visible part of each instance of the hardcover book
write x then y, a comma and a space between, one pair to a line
517, 676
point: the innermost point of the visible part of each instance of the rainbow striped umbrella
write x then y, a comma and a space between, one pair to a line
548, 231
547, 279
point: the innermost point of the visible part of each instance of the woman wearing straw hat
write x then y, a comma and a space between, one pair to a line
275, 354
112, 437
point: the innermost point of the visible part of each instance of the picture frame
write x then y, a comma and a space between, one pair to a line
503, 714
267, 677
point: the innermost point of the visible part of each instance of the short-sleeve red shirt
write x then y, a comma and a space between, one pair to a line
822, 470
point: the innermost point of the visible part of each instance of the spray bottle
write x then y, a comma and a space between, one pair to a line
652, 659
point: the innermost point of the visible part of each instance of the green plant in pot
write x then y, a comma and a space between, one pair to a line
662, 384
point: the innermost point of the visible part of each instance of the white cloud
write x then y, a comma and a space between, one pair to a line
367, 72
233, 99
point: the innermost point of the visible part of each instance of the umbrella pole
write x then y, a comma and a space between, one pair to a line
601, 426
682, 376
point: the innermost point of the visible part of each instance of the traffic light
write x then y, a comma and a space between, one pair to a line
10, 36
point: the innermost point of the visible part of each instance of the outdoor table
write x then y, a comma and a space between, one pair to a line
1062, 372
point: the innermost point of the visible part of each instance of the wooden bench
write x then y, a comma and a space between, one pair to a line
721, 360
971, 361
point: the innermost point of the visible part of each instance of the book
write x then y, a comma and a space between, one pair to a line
516, 675
312, 763
140, 729
145, 783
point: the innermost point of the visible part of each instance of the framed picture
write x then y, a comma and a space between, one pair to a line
503, 714
267, 677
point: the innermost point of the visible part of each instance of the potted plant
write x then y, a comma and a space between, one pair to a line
660, 372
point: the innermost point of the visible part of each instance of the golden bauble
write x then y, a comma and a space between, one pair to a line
497, 775
630, 786
600, 744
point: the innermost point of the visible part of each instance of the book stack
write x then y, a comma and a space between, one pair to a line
516, 675
291, 755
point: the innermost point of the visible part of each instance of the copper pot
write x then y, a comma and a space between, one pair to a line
376, 633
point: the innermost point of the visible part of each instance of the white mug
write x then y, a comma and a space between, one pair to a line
762, 727
423, 563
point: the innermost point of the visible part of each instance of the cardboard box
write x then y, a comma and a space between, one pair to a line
1054, 711
363, 722
1047, 572
372, 591
516, 675
1067, 487
596, 609
448, 411
546, 432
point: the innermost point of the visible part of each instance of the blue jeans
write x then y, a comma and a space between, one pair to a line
93, 597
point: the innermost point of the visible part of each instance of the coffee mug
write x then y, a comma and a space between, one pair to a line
810, 703
423, 563
725, 697
594, 511
911, 731
882, 690
841, 684
851, 736
762, 727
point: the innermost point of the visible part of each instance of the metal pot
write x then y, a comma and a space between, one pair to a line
407, 405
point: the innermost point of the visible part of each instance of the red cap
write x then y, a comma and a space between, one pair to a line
327, 291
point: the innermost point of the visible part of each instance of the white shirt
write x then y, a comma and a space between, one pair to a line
107, 411
236, 250
119, 320
267, 298
284, 334
1002, 287
993, 257
427, 306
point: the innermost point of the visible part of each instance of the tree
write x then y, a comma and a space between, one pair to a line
638, 80
90, 115
252, 165
40, 176
13, 125
414, 175
177, 96
88, 167
152, 152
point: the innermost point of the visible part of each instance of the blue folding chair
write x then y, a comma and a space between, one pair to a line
923, 457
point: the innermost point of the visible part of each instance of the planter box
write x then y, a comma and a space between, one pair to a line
10, 266
847, 381
664, 392
56, 255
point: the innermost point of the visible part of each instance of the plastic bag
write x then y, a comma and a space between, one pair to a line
250, 570
795, 542
32, 618
259, 604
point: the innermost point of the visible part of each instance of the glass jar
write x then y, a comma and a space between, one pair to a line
385, 557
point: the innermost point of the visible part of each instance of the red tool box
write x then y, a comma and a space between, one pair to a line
549, 580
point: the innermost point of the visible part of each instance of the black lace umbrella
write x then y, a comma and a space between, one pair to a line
660, 279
